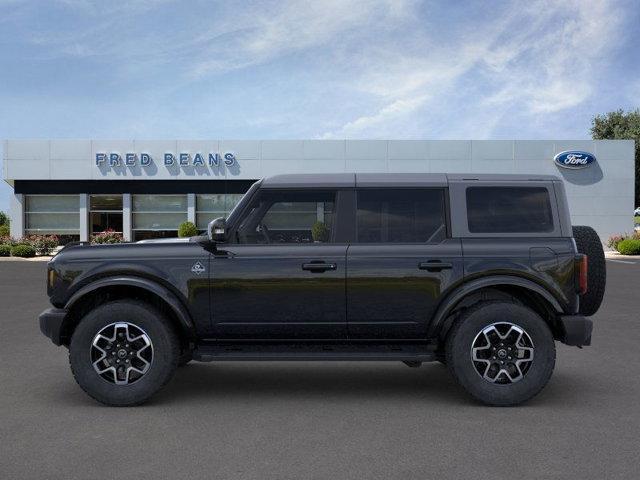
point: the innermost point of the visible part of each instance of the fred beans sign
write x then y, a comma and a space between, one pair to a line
169, 159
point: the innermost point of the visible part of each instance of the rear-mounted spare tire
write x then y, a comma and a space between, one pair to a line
589, 243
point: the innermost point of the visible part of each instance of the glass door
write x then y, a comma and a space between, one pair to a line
105, 213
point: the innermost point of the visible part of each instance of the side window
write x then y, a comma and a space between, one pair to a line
401, 216
509, 210
289, 217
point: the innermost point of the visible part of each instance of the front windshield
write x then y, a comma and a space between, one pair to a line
240, 205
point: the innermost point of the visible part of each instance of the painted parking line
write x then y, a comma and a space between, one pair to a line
621, 261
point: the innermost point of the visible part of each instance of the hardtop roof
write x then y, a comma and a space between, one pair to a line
346, 180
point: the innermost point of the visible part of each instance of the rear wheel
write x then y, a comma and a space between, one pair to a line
123, 352
588, 242
502, 353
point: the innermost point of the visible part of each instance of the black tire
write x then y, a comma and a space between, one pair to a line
165, 352
469, 326
588, 242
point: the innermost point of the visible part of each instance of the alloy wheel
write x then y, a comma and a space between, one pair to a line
121, 353
502, 353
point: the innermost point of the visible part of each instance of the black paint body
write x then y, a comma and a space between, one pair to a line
374, 292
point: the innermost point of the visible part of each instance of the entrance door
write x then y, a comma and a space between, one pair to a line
105, 213
401, 262
282, 275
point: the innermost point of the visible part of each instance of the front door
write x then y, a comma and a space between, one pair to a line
282, 276
401, 262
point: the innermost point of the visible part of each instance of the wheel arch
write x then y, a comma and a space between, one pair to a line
119, 287
522, 290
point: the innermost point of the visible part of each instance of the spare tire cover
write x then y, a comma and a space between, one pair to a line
588, 242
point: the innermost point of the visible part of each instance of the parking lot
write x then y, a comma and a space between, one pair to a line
319, 420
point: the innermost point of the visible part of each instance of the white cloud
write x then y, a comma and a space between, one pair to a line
541, 57
389, 62
293, 26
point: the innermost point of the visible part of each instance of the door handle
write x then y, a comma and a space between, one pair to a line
434, 266
318, 267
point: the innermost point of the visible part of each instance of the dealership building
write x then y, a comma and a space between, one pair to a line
146, 188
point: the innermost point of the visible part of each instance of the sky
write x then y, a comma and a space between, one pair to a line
287, 69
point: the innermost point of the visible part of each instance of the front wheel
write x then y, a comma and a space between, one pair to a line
123, 352
502, 353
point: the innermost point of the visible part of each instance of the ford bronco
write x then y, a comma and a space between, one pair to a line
482, 273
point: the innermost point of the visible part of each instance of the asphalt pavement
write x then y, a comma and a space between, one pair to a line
319, 420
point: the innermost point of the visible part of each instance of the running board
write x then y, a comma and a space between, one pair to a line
398, 352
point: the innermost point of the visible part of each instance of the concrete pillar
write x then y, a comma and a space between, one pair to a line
126, 217
84, 217
191, 207
17, 215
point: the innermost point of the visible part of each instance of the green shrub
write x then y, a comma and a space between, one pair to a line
630, 246
187, 229
4, 218
23, 250
106, 237
319, 232
4, 231
614, 240
5, 250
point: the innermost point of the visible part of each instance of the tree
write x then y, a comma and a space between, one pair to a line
4, 218
620, 125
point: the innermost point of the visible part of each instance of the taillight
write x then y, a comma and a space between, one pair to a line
582, 275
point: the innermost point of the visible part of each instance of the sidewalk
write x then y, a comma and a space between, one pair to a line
43, 258
611, 255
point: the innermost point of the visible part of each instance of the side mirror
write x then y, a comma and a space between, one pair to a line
217, 230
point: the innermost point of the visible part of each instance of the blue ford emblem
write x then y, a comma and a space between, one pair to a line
574, 159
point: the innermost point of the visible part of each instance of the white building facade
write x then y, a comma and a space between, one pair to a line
146, 188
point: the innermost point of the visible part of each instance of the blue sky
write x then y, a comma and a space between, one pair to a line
322, 69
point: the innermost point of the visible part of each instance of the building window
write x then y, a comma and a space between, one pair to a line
158, 216
53, 214
106, 213
211, 206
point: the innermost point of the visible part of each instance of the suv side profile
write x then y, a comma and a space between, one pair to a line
482, 273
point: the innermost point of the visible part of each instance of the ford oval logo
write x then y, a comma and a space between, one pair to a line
574, 159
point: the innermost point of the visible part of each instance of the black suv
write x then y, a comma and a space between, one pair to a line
479, 272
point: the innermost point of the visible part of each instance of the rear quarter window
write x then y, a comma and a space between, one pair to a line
509, 210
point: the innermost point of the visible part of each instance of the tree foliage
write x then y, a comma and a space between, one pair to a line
4, 218
620, 125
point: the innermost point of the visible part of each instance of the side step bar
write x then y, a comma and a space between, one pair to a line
398, 352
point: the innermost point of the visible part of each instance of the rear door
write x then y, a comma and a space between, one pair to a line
400, 263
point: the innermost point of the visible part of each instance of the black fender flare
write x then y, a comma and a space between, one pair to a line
185, 322
438, 323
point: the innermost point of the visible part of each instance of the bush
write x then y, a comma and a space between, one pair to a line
107, 237
23, 250
319, 232
43, 244
4, 231
614, 240
4, 219
629, 246
187, 229
5, 250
